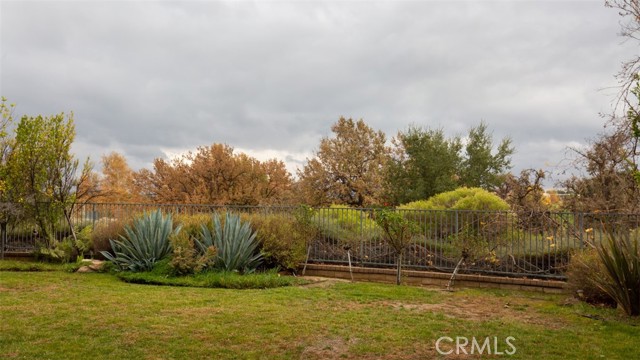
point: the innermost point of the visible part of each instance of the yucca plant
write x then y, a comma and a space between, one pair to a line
144, 243
620, 256
235, 242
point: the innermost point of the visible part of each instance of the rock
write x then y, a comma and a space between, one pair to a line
96, 265
85, 269
92, 266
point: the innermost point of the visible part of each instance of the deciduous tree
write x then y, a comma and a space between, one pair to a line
348, 167
278, 186
215, 175
9, 209
628, 101
524, 193
117, 183
44, 172
609, 183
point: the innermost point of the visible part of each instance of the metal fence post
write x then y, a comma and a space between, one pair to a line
3, 239
456, 225
581, 229
361, 237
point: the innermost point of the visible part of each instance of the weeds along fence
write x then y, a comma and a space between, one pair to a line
537, 245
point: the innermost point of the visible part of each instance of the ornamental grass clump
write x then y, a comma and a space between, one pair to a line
585, 274
620, 256
144, 243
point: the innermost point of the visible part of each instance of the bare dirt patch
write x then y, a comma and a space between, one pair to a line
339, 348
322, 282
328, 348
484, 309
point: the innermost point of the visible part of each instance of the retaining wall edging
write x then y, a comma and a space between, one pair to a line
428, 278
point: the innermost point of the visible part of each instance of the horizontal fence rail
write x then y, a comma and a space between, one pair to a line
527, 244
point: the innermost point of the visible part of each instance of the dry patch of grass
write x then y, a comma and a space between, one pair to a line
483, 309
328, 348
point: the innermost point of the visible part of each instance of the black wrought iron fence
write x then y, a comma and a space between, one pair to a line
490, 242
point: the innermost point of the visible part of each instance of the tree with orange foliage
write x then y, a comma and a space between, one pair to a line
117, 183
218, 176
348, 168
278, 186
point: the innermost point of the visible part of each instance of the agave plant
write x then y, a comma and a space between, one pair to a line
235, 243
144, 243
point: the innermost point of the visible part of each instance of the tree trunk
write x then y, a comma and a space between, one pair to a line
67, 216
399, 272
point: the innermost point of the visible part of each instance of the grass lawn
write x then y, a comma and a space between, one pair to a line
62, 315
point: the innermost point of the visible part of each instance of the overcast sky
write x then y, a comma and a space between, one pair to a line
155, 78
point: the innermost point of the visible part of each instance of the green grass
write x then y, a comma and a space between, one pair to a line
227, 280
28, 265
60, 315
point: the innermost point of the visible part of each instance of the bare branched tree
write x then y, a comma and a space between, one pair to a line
629, 11
612, 178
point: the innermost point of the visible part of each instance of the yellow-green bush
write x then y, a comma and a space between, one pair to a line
460, 199
283, 239
346, 225
185, 259
191, 223
464, 210
472, 220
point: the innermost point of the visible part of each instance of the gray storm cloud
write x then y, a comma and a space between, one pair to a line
149, 78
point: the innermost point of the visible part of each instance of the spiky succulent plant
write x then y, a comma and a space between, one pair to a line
235, 242
144, 243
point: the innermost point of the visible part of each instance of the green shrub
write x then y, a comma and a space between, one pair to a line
584, 272
468, 211
84, 241
282, 240
192, 223
185, 258
144, 243
460, 199
58, 251
347, 225
234, 241
473, 220
620, 256
66, 250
